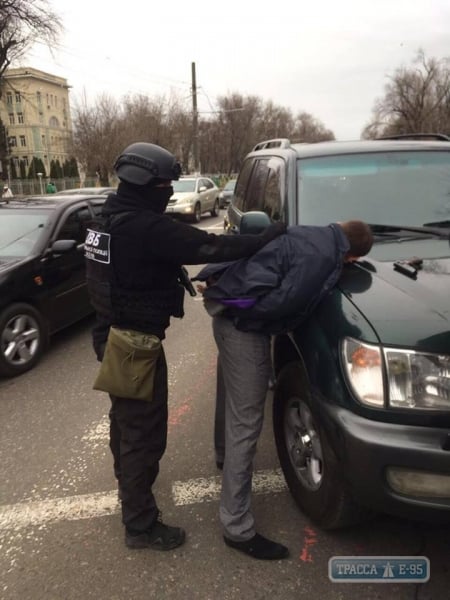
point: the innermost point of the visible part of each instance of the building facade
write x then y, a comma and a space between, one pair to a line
35, 110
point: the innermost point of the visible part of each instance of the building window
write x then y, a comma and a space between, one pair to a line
20, 117
8, 98
25, 160
23, 140
12, 141
18, 98
54, 122
43, 140
11, 118
38, 97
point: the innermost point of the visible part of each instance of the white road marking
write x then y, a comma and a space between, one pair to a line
72, 508
202, 489
89, 506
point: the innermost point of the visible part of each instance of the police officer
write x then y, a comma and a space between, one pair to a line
134, 283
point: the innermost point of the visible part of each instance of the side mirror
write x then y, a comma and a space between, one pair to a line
254, 221
202, 188
63, 246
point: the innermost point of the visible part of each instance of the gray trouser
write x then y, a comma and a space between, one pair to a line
245, 362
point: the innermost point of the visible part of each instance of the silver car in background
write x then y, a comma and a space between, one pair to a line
194, 196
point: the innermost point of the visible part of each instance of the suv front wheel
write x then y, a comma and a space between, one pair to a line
309, 465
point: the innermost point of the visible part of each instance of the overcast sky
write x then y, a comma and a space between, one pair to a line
331, 58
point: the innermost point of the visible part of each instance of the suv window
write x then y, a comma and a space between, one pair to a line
264, 193
242, 183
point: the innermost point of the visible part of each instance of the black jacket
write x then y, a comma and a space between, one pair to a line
147, 250
287, 278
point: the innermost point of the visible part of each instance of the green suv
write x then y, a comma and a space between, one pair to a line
361, 409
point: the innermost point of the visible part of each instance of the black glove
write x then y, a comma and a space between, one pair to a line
273, 231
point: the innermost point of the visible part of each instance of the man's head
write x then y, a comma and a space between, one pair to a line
145, 164
360, 238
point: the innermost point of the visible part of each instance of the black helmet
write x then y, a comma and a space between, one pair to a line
141, 163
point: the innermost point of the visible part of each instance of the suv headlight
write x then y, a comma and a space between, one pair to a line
413, 379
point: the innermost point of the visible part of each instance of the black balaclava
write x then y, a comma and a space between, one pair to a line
147, 197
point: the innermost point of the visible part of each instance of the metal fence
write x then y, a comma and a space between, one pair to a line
30, 187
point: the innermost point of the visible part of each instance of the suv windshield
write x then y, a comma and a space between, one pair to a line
19, 231
184, 185
395, 188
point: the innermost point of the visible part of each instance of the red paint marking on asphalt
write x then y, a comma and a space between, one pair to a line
175, 414
310, 541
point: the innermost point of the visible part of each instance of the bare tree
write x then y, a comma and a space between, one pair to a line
236, 124
309, 129
99, 136
23, 22
416, 100
102, 130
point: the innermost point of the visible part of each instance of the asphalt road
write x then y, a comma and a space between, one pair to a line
60, 532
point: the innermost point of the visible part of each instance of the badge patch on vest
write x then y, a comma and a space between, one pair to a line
96, 246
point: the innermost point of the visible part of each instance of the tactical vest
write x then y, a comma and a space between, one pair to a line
145, 309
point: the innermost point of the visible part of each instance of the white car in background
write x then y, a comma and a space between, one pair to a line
194, 196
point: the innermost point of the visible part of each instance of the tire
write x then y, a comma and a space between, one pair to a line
22, 339
216, 208
197, 214
310, 467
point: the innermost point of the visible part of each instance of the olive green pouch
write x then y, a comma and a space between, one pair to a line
129, 364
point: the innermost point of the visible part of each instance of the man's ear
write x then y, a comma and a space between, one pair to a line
349, 258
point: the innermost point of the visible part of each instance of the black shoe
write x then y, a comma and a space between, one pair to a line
159, 537
259, 547
219, 465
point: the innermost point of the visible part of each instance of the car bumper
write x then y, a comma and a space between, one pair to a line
398, 469
180, 208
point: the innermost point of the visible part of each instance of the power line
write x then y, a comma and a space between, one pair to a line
125, 67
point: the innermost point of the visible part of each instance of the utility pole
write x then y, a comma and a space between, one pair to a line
194, 120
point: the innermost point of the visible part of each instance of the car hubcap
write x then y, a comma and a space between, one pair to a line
20, 340
303, 444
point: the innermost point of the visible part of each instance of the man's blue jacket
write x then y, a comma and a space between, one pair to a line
287, 277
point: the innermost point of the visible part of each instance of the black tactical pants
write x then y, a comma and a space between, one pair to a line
138, 436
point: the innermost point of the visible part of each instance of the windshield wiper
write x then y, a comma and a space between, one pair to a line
438, 224
403, 230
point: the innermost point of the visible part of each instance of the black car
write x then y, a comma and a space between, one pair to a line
361, 409
42, 273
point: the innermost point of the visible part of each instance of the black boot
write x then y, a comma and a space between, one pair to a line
259, 547
159, 537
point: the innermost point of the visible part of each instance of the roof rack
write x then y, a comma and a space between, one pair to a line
416, 136
275, 143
